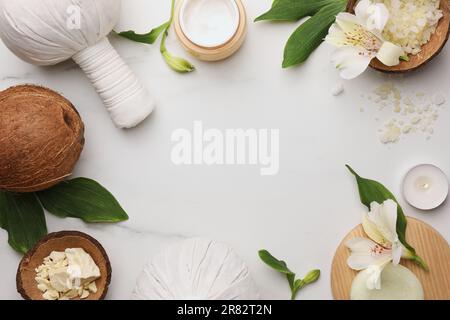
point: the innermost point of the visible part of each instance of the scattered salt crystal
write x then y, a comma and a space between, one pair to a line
337, 89
415, 120
417, 112
407, 129
391, 133
438, 99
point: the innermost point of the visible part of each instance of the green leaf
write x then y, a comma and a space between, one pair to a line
293, 10
177, 64
311, 34
22, 216
148, 38
281, 266
82, 198
274, 263
373, 191
3, 208
291, 280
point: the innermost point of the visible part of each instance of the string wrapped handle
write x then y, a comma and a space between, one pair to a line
123, 95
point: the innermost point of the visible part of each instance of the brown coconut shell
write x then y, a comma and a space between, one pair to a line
60, 241
429, 50
41, 138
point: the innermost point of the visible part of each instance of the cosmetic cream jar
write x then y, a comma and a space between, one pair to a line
211, 30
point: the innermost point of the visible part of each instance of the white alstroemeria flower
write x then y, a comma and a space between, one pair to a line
380, 224
383, 247
366, 254
359, 39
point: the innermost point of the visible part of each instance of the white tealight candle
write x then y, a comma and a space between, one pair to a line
425, 187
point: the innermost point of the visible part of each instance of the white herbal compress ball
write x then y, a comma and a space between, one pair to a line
196, 269
46, 32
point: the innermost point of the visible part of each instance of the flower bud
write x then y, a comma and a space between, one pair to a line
312, 277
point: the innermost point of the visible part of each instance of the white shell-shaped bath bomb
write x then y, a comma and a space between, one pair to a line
43, 32
397, 283
196, 269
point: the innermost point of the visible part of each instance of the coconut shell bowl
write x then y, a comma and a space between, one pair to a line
429, 50
26, 284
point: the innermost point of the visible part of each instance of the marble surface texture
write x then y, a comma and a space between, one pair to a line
301, 214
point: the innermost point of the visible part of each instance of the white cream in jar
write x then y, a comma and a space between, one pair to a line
209, 23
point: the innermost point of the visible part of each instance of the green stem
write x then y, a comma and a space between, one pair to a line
300, 284
163, 48
421, 262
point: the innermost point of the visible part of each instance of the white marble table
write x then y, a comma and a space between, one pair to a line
301, 214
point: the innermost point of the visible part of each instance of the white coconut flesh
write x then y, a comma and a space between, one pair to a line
397, 283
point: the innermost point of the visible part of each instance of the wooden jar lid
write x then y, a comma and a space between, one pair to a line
213, 53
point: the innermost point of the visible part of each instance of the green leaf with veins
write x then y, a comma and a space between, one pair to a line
22, 216
84, 199
293, 10
311, 34
373, 191
148, 38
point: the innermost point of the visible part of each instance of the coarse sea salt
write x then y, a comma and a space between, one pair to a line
411, 22
438, 99
410, 112
337, 89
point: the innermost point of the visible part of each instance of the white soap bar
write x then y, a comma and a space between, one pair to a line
397, 283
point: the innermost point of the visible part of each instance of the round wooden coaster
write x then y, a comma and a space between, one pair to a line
429, 244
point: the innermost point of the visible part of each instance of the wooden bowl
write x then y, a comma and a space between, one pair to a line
215, 53
60, 241
429, 50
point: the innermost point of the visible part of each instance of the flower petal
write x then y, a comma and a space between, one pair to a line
370, 228
366, 253
397, 252
374, 279
373, 16
361, 9
360, 245
351, 61
389, 54
348, 17
348, 22
336, 36
378, 17
384, 216
389, 215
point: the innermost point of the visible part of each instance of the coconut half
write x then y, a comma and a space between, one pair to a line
397, 283
60, 241
41, 138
